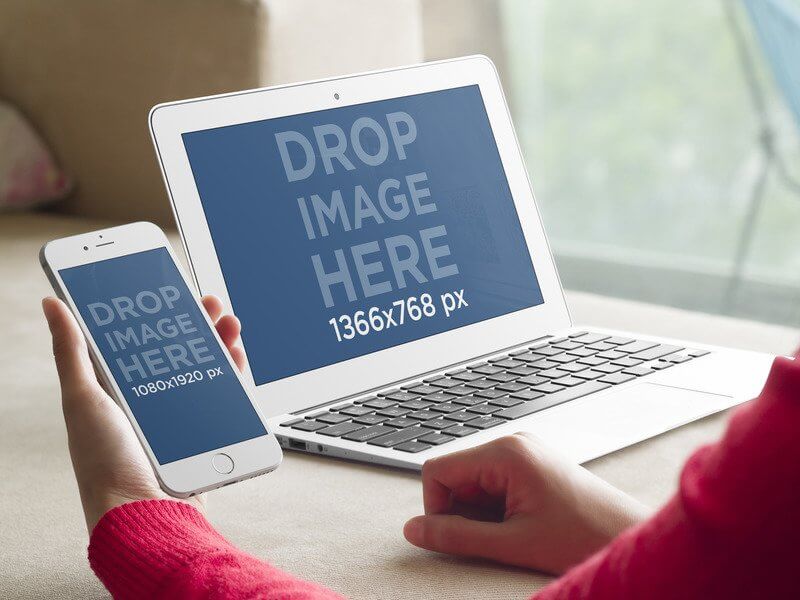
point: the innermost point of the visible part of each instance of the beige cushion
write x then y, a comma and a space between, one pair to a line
86, 72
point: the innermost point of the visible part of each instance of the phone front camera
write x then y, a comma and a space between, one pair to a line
86, 247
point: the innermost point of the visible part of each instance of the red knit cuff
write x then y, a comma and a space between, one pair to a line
136, 546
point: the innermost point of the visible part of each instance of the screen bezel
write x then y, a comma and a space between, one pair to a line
343, 379
187, 476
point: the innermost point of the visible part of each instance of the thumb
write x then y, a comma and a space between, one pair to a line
75, 369
454, 534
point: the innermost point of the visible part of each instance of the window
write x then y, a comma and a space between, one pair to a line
643, 143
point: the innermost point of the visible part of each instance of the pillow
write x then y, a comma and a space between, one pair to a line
29, 175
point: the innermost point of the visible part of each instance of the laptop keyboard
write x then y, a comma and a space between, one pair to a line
442, 408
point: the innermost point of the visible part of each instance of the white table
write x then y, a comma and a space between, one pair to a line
335, 522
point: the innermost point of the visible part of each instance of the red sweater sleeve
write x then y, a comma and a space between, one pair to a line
733, 528
167, 549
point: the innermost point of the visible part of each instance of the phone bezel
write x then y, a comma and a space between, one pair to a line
188, 476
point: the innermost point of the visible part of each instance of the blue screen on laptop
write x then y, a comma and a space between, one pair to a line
346, 231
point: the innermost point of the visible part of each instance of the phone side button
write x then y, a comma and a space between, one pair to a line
222, 463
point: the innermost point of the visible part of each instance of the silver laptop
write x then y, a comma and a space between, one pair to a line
378, 237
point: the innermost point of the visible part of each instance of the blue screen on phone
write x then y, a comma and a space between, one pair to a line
176, 380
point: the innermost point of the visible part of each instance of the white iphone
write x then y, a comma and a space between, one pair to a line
159, 355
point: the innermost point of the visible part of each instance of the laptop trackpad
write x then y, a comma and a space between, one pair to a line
601, 423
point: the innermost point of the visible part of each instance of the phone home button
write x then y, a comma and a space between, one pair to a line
222, 463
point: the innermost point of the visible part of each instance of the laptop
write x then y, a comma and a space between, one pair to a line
378, 237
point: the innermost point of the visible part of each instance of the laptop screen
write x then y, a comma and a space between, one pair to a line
347, 231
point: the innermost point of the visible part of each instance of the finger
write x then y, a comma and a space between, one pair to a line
237, 354
75, 369
454, 534
229, 328
467, 469
213, 306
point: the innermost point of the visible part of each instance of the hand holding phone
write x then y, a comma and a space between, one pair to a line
111, 466
159, 357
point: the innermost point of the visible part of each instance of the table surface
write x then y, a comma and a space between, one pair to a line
335, 522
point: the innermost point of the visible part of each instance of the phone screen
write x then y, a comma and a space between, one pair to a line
176, 380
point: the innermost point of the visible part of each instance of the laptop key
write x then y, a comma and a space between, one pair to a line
619, 340
447, 407
393, 411
380, 403
565, 395
459, 431
607, 368
573, 367
484, 409
461, 390
467, 376
546, 351
507, 363
490, 394
656, 352
628, 361
460, 416
397, 437
340, 429
436, 424
591, 361
637, 346
589, 338
401, 396
562, 358
423, 389
417, 405
332, 418
617, 378
502, 377
486, 422
544, 364
511, 386
590, 374
581, 352
523, 371
527, 395
445, 382
569, 381
423, 415
568, 345
601, 346
438, 397
481, 384
577, 334
506, 402
639, 371
529, 356
436, 439
488, 370
368, 433
412, 447
697, 353
611, 355
548, 388
292, 422
552, 373
370, 419
401, 422
355, 410
678, 358
309, 426
533, 380
468, 400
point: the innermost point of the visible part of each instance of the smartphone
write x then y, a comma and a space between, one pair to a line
159, 355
